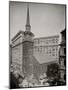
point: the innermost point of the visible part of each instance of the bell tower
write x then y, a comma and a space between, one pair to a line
28, 47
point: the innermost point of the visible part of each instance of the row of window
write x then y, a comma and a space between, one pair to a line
38, 41
50, 51
41, 48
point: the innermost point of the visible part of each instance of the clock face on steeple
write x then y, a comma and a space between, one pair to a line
28, 38
28, 28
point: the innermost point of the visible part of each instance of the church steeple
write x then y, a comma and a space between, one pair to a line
28, 27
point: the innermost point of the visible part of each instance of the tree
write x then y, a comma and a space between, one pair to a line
53, 73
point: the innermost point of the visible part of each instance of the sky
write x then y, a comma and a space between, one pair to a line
45, 19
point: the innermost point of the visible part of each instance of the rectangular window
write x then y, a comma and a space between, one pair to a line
65, 51
53, 54
64, 62
38, 41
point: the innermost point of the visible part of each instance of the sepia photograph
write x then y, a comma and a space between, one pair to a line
37, 44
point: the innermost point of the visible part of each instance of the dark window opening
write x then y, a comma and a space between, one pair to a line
65, 51
64, 62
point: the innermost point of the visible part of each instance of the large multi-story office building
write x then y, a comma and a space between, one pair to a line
31, 55
46, 49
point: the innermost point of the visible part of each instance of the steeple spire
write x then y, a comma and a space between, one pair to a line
28, 27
